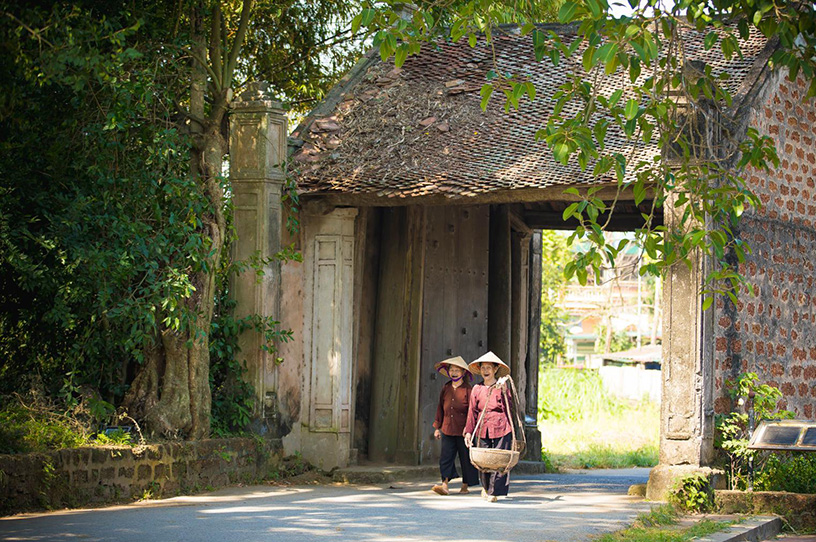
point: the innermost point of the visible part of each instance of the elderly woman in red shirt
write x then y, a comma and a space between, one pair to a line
495, 430
451, 413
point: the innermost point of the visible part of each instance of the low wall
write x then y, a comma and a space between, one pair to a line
632, 382
79, 476
798, 509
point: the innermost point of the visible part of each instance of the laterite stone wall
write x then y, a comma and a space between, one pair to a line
773, 332
79, 476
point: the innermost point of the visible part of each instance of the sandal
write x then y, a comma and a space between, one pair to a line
440, 490
464, 490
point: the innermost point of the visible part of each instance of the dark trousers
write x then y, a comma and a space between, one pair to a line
493, 482
451, 447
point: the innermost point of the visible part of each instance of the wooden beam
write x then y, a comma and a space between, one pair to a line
621, 220
524, 195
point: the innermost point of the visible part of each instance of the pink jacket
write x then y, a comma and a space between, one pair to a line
496, 422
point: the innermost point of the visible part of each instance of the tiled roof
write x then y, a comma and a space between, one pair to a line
419, 130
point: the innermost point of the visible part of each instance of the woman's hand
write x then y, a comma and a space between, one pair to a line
437, 434
502, 383
467, 439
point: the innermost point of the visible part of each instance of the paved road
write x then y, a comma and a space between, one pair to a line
550, 507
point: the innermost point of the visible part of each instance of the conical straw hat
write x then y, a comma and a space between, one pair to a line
456, 360
489, 357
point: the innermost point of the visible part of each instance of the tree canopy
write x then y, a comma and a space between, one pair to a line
113, 214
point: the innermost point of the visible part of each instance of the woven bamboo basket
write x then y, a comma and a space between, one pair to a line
493, 459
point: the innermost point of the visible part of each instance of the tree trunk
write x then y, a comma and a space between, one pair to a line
171, 393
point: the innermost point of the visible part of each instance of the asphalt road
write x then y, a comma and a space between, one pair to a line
551, 507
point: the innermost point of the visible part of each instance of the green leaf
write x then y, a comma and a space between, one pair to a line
561, 152
400, 55
356, 22
567, 13
485, 93
599, 131
569, 211
531, 91
710, 39
631, 109
589, 58
367, 16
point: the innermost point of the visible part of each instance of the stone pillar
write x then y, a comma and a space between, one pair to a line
687, 412
258, 147
531, 431
499, 301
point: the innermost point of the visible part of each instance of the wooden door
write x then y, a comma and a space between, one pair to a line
454, 320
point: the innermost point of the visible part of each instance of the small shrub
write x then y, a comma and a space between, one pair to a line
693, 494
794, 472
116, 437
733, 433
27, 428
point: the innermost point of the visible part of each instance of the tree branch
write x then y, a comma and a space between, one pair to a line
229, 68
216, 49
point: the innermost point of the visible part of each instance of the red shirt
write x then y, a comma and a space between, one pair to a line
496, 422
452, 410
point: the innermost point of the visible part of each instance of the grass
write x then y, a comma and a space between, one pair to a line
659, 525
585, 427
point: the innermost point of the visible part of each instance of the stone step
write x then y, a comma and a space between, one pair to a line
754, 529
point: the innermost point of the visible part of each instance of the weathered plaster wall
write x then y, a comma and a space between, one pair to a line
79, 476
290, 370
773, 332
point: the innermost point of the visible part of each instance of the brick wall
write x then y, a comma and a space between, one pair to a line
773, 333
78, 476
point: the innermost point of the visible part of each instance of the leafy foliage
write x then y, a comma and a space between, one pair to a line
106, 199
33, 425
693, 494
556, 255
733, 432
97, 250
791, 471
667, 102
620, 342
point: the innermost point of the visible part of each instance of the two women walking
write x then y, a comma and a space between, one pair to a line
457, 417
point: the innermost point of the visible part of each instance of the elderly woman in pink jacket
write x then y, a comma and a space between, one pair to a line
495, 430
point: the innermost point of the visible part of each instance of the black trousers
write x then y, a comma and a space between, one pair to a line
451, 447
493, 482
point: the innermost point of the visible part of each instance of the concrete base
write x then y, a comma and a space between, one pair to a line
663, 478
533, 436
326, 451
798, 509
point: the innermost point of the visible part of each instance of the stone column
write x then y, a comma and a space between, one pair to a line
531, 431
258, 146
687, 413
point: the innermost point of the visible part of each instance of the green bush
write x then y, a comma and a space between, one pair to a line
693, 494
733, 433
794, 472
25, 429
